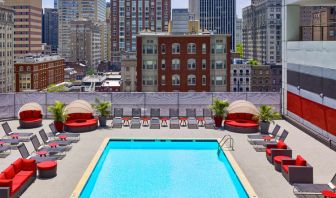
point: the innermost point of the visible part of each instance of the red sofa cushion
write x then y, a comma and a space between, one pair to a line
37, 114
6, 183
76, 116
9, 172
3, 176
241, 123
31, 120
285, 168
17, 165
14, 189
26, 114
29, 165
75, 124
300, 161
281, 145
268, 152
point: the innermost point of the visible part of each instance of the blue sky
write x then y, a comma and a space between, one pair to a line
175, 4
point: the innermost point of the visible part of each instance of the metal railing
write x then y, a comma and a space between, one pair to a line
10, 103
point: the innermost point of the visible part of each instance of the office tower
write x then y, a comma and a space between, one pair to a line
309, 75
7, 49
180, 19
262, 31
56, 4
108, 28
85, 44
131, 17
50, 28
70, 10
27, 26
239, 31
215, 15
183, 62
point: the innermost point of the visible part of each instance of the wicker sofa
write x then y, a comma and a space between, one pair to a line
15, 179
297, 170
80, 122
30, 119
241, 122
279, 149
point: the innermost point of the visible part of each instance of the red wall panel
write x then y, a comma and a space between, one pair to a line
315, 113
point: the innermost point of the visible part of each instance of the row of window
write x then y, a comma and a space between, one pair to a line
176, 64
176, 48
151, 80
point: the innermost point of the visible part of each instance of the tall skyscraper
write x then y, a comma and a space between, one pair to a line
239, 30
70, 10
7, 49
215, 15
108, 28
131, 17
50, 28
27, 26
262, 31
180, 20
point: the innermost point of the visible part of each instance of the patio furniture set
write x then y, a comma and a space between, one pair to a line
297, 171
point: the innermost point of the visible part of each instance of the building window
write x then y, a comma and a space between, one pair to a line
204, 80
247, 89
163, 80
176, 48
219, 80
219, 64
21, 68
203, 48
191, 48
163, 48
191, 64
191, 80
176, 80
204, 64
163, 64
149, 64
176, 64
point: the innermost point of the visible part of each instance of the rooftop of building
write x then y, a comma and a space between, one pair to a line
178, 34
37, 59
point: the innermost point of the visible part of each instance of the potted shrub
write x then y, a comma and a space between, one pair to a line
265, 116
103, 109
57, 110
219, 109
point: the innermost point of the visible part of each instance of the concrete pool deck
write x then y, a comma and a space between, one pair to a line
264, 179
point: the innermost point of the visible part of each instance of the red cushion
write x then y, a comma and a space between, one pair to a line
6, 182
30, 120
278, 159
300, 161
243, 124
75, 116
20, 179
29, 165
25, 173
9, 172
14, 189
268, 152
36, 114
47, 165
285, 168
281, 145
75, 124
17, 165
3, 176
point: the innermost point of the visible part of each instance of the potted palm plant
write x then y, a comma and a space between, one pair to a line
57, 111
103, 109
266, 116
219, 109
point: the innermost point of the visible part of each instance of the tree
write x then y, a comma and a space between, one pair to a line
89, 71
54, 88
240, 49
253, 62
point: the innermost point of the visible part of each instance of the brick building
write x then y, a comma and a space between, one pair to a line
38, 72
176, 62
260, 78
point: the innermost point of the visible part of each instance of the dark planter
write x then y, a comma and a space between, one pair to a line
59, 126
264, 127
102, 121
218, 121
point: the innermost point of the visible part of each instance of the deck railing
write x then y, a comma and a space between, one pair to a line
10, 103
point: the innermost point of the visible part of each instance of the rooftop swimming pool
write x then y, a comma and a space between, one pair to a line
159, 169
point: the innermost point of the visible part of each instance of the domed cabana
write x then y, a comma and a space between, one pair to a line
240, 117
80, 117
30, 115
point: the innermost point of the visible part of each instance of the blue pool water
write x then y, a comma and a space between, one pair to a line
160, 169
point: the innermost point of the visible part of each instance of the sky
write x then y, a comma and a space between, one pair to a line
175, 4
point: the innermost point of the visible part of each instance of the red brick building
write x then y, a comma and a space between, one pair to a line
38, 72
176, 62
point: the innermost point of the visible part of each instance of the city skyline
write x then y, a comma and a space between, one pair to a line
175, 4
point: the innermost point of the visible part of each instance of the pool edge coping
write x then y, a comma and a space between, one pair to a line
86, 175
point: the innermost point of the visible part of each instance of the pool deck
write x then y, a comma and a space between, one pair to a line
264, 179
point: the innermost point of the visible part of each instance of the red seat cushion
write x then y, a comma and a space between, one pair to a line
6, 183
268, 152
241, 123
47, 165
18, 165
37, 114
29, 165
300, 161
77, 116
9, 172
281, 145
278, 159
75, 124
25, 173
285, 168
3, 176
30, 120
14, 189
20, 179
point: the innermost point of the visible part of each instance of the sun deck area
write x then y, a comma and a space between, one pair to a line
265, 181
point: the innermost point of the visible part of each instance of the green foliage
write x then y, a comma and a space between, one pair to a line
89, 71
266, 114
102, 107
240, 49
53, 88
219, 107
57, 111
253, 62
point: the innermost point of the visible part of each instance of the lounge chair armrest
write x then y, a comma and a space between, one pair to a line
282, 152
271, 146
4, 192
300, 174
288, 162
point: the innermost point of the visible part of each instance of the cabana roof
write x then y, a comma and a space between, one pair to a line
243, 106
78, 106
30, 106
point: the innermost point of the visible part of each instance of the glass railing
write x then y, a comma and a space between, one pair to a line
318, 33
12, 102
